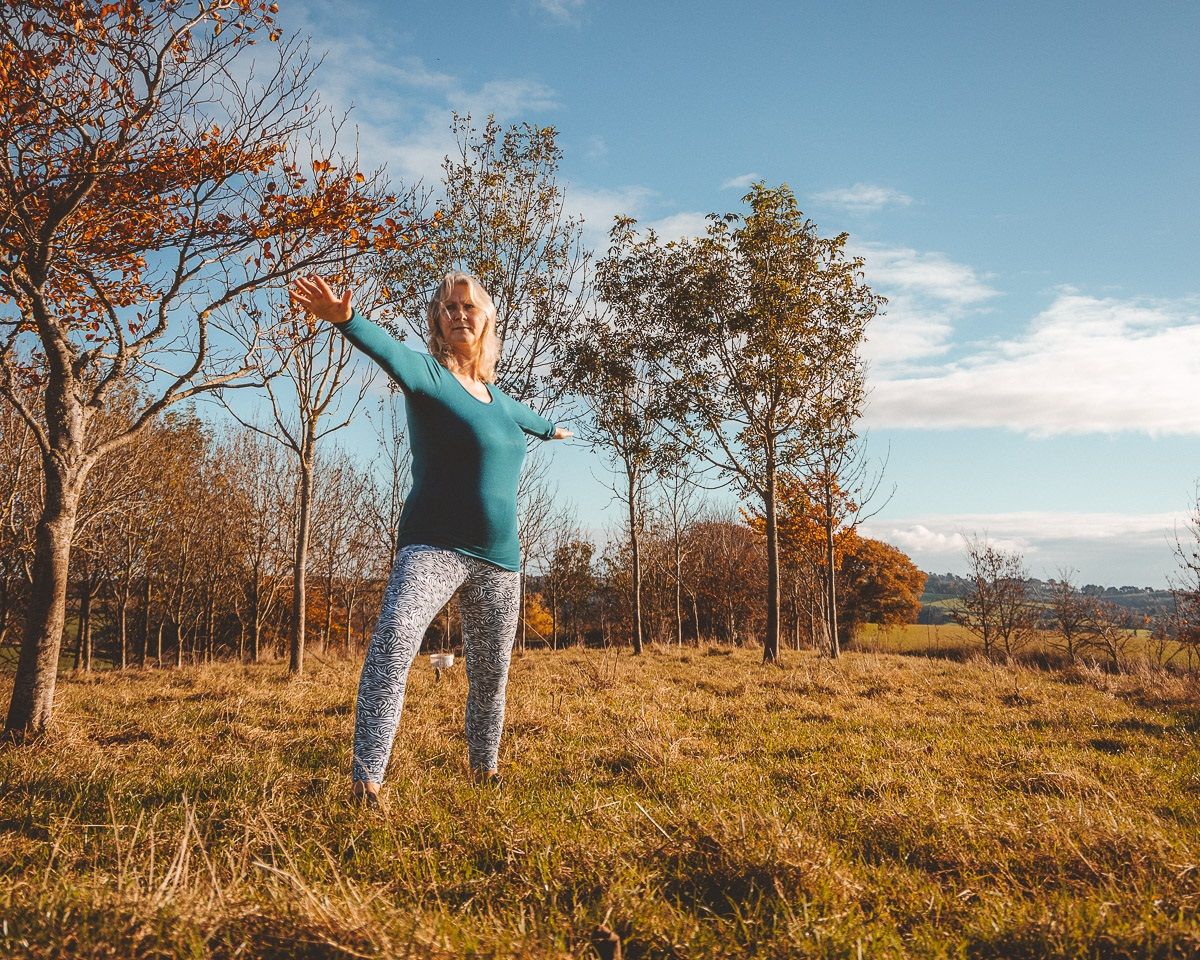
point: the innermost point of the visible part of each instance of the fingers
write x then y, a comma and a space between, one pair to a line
324, 288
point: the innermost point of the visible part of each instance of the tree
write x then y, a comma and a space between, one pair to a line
1185, 584
261, 499
742, 324
310, 397
1072, 616
880, 584
537, 618
502, 219
608, 372
678, 505
997, 607
812, 540
145, 196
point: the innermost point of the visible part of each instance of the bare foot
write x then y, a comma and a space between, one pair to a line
365, 793
487, 777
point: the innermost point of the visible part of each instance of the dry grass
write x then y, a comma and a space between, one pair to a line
958, 643
702, 806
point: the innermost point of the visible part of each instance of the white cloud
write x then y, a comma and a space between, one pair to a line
677, 226
928, 293
740, 182
1084, 365
564, 11
401, 106
599, 206
862, 198
507, 99
1108, 548
596, 148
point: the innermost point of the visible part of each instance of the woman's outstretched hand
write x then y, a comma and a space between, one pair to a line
318, 298
562, 434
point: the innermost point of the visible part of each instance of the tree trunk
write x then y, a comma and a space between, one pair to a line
255, 619
296, 662
771, 641
678, 594
78, 663
144, 644
831, 585
523, 624
634, 546
32, 702
328, 607
123, 632
158, 643
4, 595
351, 596
210, 626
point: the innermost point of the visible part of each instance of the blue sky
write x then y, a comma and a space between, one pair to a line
1020, 177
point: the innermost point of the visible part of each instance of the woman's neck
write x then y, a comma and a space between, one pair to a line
460, 366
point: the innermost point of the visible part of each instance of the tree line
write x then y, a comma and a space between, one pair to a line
185, 553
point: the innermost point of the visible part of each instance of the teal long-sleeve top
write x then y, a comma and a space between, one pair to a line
466, 454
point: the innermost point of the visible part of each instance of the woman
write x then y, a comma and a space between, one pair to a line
459, 523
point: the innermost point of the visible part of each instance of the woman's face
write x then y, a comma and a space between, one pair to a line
462, 320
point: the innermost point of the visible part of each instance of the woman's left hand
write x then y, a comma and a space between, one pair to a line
562, 434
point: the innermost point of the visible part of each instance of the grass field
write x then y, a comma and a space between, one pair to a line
700, 805
956, 642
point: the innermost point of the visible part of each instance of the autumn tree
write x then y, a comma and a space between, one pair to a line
742, 324
880, 584
812, 539
20, 503
150, 186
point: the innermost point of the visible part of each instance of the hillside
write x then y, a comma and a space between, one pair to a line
942, 589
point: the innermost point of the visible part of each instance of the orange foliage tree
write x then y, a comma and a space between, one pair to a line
878, 583
155, 177
806, 529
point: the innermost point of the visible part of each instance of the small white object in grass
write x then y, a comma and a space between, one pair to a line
439, 661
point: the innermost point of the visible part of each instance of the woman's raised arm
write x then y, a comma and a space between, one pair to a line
415, 372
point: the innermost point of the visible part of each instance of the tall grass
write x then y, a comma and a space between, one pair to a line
698, 805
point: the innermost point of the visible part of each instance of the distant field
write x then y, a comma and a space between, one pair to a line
950, 639
701, 805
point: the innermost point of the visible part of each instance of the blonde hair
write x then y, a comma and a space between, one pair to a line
489, 343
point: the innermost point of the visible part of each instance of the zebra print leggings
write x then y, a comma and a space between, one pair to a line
423, 580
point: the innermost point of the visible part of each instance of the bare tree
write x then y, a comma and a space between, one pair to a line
1185, 584
1072, 615
537, 498
261, 503
997, 607
678, 505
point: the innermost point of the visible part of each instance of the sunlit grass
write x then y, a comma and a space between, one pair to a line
699, 804
952, 640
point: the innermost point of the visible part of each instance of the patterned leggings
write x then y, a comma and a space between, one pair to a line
422, 582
